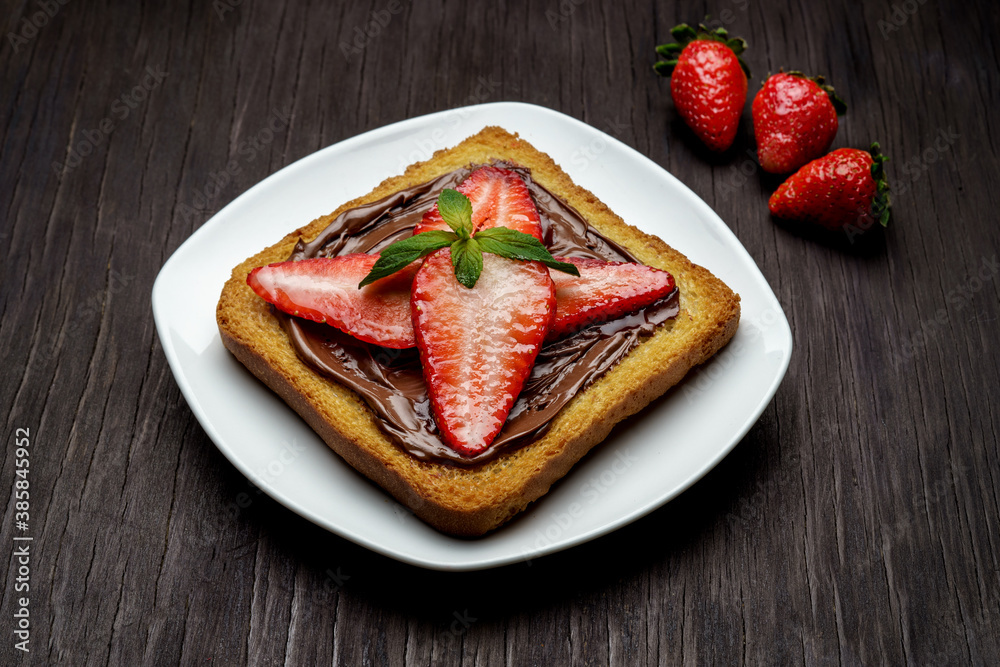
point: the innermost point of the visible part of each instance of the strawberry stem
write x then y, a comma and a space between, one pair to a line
685, 34
881, 205
838, 104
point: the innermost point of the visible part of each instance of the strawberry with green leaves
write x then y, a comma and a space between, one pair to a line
708, 81
794, 120
845, 189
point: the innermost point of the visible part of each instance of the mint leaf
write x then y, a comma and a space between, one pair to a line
456, 209
467, 258
401, 253
466, 249
513, 244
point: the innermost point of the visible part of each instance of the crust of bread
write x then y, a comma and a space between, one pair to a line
471, 502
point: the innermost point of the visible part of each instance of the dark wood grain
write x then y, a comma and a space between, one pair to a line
857, 522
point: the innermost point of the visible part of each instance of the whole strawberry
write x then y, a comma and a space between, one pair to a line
794, 120
843, 189
708, 81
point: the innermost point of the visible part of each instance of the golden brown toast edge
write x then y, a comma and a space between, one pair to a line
471, 502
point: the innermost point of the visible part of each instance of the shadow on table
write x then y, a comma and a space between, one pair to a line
870, 243
741, 150
738, 166
497, 593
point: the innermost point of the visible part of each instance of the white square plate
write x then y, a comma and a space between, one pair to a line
641, 466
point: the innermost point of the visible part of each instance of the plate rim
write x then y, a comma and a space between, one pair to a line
160, 289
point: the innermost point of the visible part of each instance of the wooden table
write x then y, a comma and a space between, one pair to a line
856, 523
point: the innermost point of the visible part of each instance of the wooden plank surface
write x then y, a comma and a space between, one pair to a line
857, 522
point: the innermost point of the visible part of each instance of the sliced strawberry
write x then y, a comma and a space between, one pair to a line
325, 289
604, 291
478, 346
499, 199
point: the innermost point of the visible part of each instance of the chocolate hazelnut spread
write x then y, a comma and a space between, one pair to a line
391, 381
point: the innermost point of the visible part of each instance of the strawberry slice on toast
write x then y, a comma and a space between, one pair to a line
478, 346
603, 291
499, 199
325, 289
477, 318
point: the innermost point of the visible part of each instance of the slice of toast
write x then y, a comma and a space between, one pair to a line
463, 501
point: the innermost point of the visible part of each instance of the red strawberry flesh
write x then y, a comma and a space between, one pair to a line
499, 198
603, 291
834, 190
478, 346
794, 122
325, 289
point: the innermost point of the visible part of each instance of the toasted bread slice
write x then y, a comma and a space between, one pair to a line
473, 501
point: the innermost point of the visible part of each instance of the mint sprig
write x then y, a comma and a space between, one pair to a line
466, 248
456, 209
402, 253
